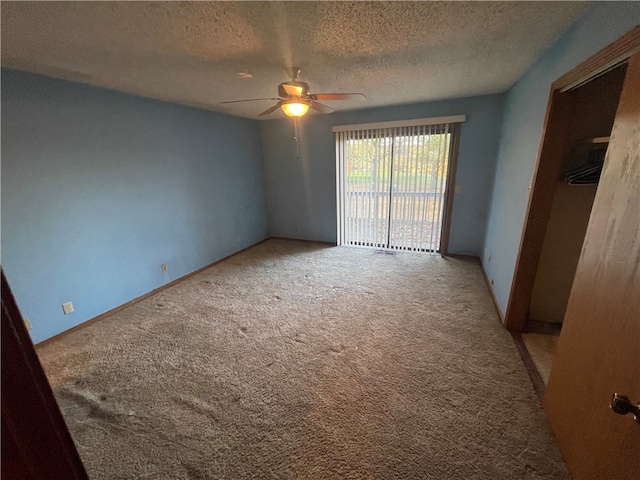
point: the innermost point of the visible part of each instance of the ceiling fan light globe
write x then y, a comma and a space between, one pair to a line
295, 109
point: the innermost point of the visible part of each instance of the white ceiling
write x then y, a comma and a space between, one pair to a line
192, 52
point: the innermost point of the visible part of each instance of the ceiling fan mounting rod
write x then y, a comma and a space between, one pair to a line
293, 73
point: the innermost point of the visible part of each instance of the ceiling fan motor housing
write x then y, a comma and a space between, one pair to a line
293, 89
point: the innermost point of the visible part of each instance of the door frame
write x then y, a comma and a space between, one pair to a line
548, 164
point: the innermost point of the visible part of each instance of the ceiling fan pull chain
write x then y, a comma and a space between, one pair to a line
295, 129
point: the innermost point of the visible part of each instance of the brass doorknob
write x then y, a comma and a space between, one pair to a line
622, 406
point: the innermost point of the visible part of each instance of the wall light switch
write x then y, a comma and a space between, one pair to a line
163, 267
67, 308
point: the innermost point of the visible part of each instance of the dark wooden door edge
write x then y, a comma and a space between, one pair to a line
547, 167
36, 443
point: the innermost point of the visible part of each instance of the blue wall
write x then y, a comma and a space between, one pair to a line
522, 129
99, 188
302, 193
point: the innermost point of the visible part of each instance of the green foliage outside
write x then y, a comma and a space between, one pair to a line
368, 162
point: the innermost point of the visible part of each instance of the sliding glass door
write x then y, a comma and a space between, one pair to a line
392, 184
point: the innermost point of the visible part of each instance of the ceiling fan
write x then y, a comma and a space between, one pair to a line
295, 99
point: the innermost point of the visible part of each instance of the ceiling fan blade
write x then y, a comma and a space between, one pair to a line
338, 96
270, 110
250, 100
319, 107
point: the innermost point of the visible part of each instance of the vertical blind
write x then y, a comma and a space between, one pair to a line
392, 181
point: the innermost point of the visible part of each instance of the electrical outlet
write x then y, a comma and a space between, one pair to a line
238, 239
458, 189
27, 324
163, 267
67, 308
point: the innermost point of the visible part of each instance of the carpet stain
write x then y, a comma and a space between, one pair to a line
362, 366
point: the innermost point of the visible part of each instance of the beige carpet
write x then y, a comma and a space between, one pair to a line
299, 361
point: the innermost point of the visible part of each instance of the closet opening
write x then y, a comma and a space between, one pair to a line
591, 109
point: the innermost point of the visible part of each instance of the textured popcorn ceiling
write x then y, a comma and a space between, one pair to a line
192, 52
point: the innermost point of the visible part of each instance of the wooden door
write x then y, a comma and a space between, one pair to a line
35, 441
599, 348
